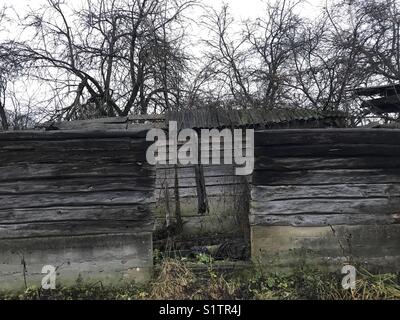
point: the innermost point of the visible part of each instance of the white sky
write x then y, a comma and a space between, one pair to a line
241, 9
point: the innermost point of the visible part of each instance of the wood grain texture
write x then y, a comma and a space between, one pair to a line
82, 200
308, 182
327, 136
71, 134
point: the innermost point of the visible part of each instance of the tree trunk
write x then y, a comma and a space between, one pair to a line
3, 117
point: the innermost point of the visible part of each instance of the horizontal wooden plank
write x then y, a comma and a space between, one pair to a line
111, 126
293, 164
327, 136
123, 143
72, 228
315, 220
71, 134
269, 193
105, 184
131, 212
331, 150
70, 156
148, 117
326, 206
78, 169
41, 200
115, 124
87, 184
332, 176
207, 145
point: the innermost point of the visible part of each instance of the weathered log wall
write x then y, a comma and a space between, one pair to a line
226, 194
78, 200
327, 196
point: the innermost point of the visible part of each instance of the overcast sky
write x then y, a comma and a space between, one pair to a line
241, 9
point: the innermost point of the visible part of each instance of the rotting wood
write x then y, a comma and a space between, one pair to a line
315, 220
315, 192
77, 186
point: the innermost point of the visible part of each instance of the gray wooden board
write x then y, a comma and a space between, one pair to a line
66, 170
328, 150
324, 206
43, 200
326, 191
76, 184
15, 157
129, 212
72, 228
71, 134
327, 137
318, 220
327, 176
325, 162
88, 144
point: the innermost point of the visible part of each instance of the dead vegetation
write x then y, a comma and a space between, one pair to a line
175, 280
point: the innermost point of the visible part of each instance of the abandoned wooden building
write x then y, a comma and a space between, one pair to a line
211, 200
81, 196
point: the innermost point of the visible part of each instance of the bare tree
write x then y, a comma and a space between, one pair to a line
326, 61
379, 39
109, 58
10, 69
272, 39
4, 73
226, 59
253, 63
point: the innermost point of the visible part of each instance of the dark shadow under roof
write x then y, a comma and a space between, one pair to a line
389, 104
384, 90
